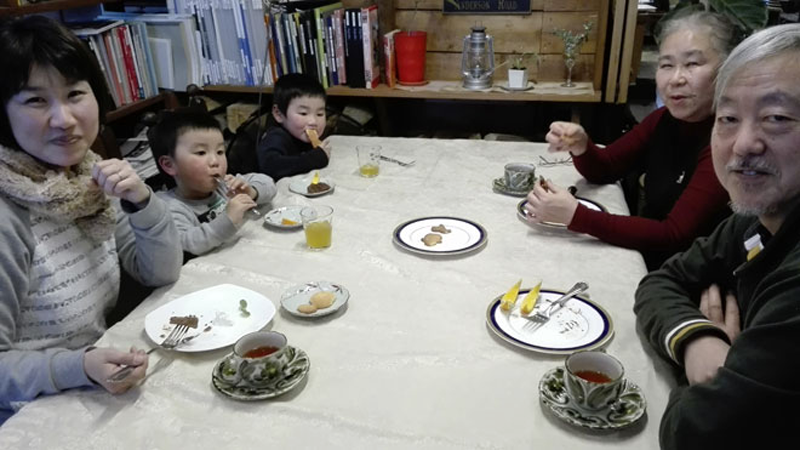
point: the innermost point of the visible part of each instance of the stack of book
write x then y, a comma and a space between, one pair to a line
124, 55
338, 46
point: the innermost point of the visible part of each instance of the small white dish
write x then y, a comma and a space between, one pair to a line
220, 319
506, 87
301, 294
294, 372
629, 408
276, 217
300, 186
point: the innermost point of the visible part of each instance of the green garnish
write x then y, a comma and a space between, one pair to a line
243, 308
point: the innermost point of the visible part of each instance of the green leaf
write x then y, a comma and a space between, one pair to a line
750, 15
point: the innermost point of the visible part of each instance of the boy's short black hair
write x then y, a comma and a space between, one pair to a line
295, 85
41, 41
163, 136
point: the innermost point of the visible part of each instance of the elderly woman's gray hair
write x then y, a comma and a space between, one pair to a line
767, 43
720, 31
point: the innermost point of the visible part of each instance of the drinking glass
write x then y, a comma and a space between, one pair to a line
317, 224
369, 160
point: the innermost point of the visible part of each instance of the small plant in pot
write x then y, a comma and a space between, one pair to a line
518, 70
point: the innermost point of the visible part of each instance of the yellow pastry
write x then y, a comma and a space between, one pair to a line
529, 302
510, 297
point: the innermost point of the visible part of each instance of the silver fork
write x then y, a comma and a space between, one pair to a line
174, 338
538, 320
398, 162
222, 189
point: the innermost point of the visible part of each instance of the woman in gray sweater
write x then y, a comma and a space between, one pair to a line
71, 222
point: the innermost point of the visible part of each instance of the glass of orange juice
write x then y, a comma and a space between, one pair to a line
317, 223
369, 159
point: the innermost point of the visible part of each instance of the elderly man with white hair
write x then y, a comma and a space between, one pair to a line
727, 311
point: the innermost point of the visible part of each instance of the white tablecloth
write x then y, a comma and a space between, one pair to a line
410, 362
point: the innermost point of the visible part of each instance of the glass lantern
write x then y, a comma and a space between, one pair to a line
477, 59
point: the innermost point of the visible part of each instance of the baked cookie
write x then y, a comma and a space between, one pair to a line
307, 309
322, 300
432, 239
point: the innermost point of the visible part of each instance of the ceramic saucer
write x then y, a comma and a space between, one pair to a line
300, 295
624, 412
300, 186
287, 217
293, 374
506, 87
499, 185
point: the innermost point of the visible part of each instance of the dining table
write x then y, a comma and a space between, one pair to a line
413, 359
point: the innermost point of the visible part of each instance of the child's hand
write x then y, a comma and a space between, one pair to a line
326, 147
237, 185
237, 206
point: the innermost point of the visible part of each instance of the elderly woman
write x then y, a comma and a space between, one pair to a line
71, 221
682, 197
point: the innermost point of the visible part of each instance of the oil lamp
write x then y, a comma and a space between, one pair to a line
477, 59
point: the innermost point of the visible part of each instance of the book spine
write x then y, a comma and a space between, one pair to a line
321, 57
119, 60
338, 35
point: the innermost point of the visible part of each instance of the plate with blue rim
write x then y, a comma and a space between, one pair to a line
580, 325
294, 372
458, 236
591, 204
629, 407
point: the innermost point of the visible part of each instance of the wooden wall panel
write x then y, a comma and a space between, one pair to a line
446, 32
447, 66
437, 5
569, 21
571, 5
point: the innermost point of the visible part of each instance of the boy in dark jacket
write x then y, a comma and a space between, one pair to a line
291, 145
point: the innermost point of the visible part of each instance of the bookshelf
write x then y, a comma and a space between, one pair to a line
584, 92
9, 8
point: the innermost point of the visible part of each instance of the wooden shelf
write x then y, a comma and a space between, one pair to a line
47, 6
130, 108
450, 90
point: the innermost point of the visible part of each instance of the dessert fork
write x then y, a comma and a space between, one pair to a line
173, 339
538, 320
398, 162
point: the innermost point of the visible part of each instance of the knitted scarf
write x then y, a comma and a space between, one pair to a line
58, 195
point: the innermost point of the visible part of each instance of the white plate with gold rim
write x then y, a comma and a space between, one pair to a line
287, 217
462, 236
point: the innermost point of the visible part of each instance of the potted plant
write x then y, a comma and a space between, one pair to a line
518, 71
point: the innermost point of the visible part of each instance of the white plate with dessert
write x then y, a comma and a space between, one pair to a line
303, 186
314, 299
220, 315
440, 236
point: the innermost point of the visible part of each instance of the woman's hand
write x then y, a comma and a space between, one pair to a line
553, 204
237, 185
101, 363
117, 178
567, 137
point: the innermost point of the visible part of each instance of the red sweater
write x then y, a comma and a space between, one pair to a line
699, 208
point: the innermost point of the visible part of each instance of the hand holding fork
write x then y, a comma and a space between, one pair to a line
175, 338
224, 191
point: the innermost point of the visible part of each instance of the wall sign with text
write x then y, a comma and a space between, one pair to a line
487, 7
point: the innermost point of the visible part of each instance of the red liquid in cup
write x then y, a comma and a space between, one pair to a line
594, 377
260, 351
